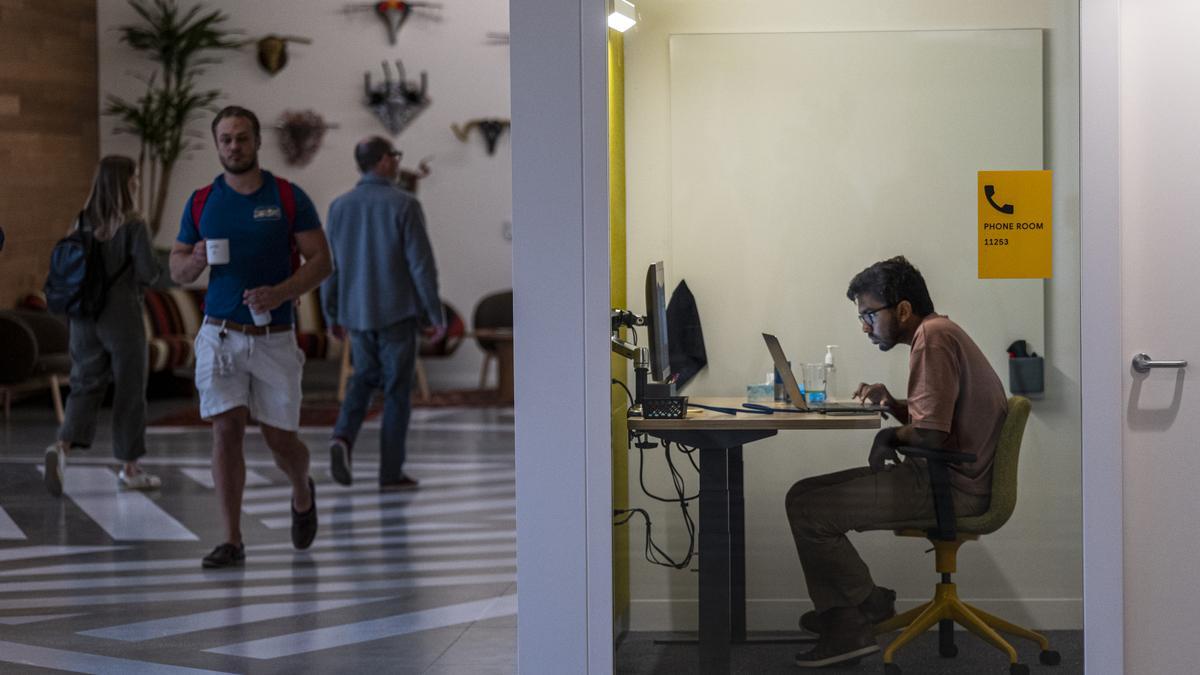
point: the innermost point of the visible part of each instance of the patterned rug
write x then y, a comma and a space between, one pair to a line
323, 413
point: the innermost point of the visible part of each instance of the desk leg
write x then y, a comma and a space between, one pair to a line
737, 548
715, 629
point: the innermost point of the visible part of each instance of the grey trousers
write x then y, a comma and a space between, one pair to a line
110, 348
822, 509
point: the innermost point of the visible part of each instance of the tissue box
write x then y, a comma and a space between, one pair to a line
1026, 375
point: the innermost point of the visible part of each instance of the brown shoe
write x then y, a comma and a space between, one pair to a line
847, 639
879, 606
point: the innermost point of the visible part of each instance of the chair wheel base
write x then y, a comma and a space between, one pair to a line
948, 651
891, 669
1018, 669
1050, 657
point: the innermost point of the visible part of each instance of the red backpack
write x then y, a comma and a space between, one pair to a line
287, 198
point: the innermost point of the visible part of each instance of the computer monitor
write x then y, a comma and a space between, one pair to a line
656, 322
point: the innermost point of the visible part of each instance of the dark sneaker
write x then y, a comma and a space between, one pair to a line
304, 525
56, 466
339, 462
225, 555
879, 606
848, 639
404, 483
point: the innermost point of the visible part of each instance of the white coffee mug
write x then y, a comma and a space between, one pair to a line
218, 251
261, 318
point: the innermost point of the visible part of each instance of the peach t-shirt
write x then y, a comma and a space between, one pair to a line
953, 388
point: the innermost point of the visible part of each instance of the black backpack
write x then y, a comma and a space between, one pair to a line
78, 284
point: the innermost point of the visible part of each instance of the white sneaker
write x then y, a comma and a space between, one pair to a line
56, 467
140, 481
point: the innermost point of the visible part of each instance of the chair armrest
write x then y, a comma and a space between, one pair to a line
939, 482
947, 456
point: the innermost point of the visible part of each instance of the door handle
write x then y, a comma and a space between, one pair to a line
1142, 363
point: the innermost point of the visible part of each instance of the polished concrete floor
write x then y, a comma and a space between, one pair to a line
109, 581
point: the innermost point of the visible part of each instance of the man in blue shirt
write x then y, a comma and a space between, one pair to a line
246, 368
383, 284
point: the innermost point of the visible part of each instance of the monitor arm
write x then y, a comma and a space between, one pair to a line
639, 355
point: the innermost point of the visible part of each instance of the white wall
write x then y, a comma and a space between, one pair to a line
467, 199
1046, 526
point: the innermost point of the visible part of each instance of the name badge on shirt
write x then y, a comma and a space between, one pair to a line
267, 213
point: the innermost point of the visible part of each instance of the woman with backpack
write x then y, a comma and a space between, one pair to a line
109, 343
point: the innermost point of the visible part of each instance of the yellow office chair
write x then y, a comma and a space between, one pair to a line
946, 534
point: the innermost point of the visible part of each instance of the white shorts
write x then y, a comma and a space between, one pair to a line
261, 372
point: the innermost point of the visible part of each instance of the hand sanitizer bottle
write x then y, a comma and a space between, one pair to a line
830, 372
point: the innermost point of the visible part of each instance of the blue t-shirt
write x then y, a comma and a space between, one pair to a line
260, 244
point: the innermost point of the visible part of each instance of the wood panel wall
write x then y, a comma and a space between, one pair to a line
49, 131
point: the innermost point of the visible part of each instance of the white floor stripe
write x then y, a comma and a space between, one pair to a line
240, 592
400, 511
33, 618
366, 631
126, 515
238, 575
357, 539
8, 527
340, 555
79, 662
204, 477
27, 552
221, 618
463, 426
327, 503
366, 484
432, 464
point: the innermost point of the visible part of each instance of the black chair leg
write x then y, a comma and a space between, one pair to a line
946, 645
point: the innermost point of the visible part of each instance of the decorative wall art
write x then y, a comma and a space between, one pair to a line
394, 13
273, 53
397, 102
300, 135
409, 178
490, 128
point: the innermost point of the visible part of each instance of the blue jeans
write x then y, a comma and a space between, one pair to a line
383, 359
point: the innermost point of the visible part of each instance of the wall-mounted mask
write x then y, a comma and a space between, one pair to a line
300, 135
490, 128
394, 13
397, 102
272, 51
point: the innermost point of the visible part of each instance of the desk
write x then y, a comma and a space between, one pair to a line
722, 544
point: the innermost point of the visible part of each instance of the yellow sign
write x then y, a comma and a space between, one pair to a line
1015, 232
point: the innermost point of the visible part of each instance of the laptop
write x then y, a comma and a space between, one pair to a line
793, 389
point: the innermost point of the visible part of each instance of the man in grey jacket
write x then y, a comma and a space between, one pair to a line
384, 284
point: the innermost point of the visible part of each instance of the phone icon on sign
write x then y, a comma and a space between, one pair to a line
989, 191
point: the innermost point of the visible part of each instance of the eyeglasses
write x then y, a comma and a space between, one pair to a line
868, 317
395, 154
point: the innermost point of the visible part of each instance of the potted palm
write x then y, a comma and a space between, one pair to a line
179, 43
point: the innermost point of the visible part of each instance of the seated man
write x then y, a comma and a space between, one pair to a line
955, 401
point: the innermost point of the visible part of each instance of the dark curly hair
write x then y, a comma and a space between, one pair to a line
893, 280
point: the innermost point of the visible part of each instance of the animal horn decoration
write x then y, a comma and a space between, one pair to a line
397, 102
300, 135
490, 128
408, 178
394, 13
272, 51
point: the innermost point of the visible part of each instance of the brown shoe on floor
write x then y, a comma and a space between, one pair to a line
847, 639
879, 606
403, 483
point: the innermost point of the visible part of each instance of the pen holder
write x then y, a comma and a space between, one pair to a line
1026, 375
668, 408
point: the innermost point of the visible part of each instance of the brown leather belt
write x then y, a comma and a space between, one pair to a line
249, 330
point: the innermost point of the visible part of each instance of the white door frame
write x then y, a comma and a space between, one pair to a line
560, 277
